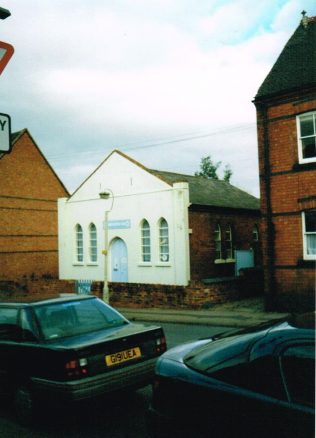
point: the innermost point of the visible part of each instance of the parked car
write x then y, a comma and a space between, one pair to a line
256, 383
70, 349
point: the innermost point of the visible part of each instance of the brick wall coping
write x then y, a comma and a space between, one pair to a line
219, 280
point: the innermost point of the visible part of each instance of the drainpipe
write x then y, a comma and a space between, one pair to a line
270, 294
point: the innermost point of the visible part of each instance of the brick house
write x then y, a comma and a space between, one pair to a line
28, 202
286, 124
222, 218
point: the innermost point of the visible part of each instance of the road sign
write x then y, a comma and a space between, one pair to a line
5, 133
6, 51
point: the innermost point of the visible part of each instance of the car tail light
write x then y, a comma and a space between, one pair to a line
76, 367
155, 384
161, 344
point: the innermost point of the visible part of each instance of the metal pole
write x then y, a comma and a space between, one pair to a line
105, 195
106, 297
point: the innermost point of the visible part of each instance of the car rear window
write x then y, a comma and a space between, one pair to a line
76, 317
221, 353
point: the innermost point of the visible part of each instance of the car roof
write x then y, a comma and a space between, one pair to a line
247, 345
280, 337
36, 300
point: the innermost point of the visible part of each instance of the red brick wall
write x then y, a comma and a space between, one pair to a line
202, 245
36, 286
28, 207
285, 272
195, 296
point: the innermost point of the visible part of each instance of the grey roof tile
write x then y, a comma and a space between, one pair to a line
215, 193
295, 68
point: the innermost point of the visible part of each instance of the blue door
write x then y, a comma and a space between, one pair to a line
119, 261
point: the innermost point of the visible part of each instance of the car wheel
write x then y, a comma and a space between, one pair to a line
24, 404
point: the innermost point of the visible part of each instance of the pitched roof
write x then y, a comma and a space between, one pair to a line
215, 193
295, 68
15, 136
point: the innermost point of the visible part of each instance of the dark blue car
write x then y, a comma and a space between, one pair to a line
254, 383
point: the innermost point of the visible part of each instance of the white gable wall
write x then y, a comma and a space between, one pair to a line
138, 195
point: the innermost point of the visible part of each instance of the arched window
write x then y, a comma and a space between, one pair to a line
218, 242
255, 234
145, 241
229, 242
163, 241
93, 244
79, 243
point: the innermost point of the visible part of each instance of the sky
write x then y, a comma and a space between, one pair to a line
165, 81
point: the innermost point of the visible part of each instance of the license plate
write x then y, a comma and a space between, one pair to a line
122, 356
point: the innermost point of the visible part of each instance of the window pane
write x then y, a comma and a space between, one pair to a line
255, 234
307, 126
77, 317
311, 244
145, 241
218, 243
309, 147
79, 243
8, 316
299, 371
229, 243
310, 221
164, 241
93, 253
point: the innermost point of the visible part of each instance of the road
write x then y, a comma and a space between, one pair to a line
119, 417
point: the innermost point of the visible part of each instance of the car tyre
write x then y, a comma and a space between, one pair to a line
24, 404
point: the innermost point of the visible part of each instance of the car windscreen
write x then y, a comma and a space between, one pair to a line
77, 317
221, 353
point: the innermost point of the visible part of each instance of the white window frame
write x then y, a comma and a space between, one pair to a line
145, 242
218, 242
229, 242
300, 138
79, 255
93, 244
164, 246
305, 237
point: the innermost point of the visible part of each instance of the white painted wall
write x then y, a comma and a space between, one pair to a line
138, 195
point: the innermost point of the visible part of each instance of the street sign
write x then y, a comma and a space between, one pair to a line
6, 52
5, 133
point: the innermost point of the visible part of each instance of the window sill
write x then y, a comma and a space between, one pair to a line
305, 165
222, 261
163, 265
78, 264
93, 264
145, 264
307, 263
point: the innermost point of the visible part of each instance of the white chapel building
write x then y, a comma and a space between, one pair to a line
140, 230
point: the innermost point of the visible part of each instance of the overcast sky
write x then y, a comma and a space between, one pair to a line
165, 81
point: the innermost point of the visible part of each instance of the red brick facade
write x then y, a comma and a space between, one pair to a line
28, 204
203, 222
287, 189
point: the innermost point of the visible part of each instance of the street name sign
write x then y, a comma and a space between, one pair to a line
5, 133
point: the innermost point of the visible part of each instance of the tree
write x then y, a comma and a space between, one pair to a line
208, 169
227, 173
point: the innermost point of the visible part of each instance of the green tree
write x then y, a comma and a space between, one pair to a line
227, 173
209, 169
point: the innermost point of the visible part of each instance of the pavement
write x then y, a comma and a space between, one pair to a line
238, 314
